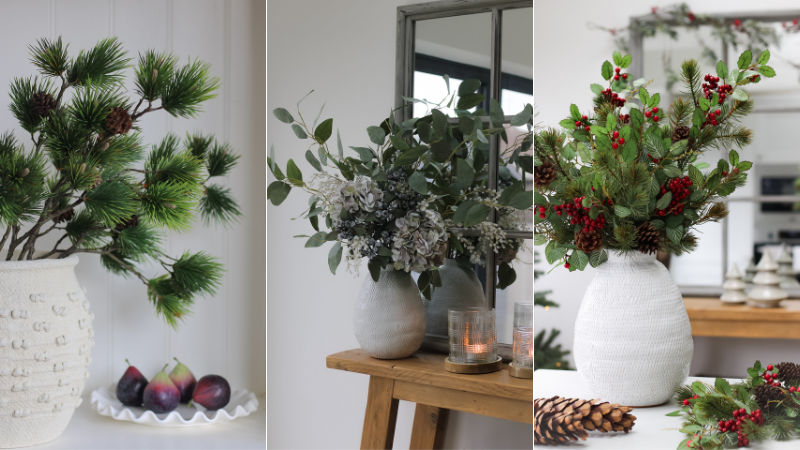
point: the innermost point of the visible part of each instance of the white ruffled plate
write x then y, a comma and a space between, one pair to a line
104, 401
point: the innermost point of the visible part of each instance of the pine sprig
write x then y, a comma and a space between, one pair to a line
50, 57
191, 85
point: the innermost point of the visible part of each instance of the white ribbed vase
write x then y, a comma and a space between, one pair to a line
45, 343
460, 288
633, 341
389, 319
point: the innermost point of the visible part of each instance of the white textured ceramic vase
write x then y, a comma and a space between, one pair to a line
460, 288
633, 341
389, 319
45, 343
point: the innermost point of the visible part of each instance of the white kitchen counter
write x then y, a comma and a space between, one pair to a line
653, 430
90, 431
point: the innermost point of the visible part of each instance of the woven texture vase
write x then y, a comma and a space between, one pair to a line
633, 341
460, 288
389, 319
45, 343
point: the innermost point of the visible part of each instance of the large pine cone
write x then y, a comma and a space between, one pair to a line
558, 420
788, 371
680, 133
647, 238
544, 175
42, 104
64, 217
589, 242
133, 221
768, 396
118, 121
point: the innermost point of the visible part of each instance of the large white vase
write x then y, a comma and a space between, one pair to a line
460, 288
389, 319
45, 343
633, 341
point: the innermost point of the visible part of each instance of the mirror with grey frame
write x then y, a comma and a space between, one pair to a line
491, 41
765, 213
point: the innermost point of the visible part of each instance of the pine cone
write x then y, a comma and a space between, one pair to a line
680, 133
130, 223
544, 175
43, 103
647, 238
788, 371
767, 396
558, 420
589, 242
65, 217
118, 121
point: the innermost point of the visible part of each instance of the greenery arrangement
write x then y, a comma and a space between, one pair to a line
625, 176
762, 407
394, 201
545, 354
84, 177
672, 19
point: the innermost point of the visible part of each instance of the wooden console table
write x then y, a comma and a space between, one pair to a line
421, 378
711, 317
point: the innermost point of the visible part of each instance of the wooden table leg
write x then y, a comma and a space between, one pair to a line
381, 415
429, 427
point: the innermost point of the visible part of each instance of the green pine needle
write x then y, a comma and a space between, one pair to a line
50, 56
103, 64
189, 88
219, 206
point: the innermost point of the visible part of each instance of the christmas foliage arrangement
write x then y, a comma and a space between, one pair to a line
762, 407
89, 177
394, 202
625, 176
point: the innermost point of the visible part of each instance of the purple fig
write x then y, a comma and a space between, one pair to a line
161, 395
130, 389
183, 379
212, 391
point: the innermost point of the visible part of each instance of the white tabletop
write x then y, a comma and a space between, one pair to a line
90, 431
653, 430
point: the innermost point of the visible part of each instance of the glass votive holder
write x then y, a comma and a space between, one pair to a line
473, 340
523, 315
522, 364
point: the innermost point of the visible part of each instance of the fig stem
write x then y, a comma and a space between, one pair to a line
190, 403
165, 366
126, 360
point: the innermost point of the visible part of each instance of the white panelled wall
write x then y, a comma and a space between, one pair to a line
345, 51
226, 334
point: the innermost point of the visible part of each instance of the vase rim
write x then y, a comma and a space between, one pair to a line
49, 263
634, 256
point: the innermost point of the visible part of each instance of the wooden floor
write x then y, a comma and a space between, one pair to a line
712, 317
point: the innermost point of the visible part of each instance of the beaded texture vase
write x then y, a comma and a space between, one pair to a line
633, 341
45, 344
389, 319
460, 288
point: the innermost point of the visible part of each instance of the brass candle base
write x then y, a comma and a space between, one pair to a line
473, 367
520, 372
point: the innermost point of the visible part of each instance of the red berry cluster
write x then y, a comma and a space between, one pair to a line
584, 122
686, 402
616, 100
624, 118
617, 75
711, 117
771, 378
793, 27
580, 215
616, 140
711, 85
652, 114
735, 424
542, 212
680, 190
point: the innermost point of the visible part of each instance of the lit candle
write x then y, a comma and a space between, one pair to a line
473, 338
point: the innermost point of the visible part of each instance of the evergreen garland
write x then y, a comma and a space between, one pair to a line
84, 176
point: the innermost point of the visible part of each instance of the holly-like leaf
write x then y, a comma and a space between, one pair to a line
578, 260
722, 70
644, 96
723, 386
733, 157
704, 103
617, 58
598, 257
744, 166
764, 57
664, 201
566, 123
675, 234
621, 211
739, 94
672, 170
626, 61
575, 112
655, 146
629, 151
745, 59
607, 71
596, 88
767, 71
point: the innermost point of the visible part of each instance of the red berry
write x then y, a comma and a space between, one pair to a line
686, 402
717, 112
566, 265
624, 76
584, 117
616, 77
542, 216
648, 114
736, 413
587, 128
770, 367
655, 119
578, 123
615, 146
615, 134
655, 110
724, 173
617, 70
622, 140
792, 389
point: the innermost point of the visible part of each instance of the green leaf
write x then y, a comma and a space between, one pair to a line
335, 257
298, 131
678, 147
410, 156
324, 131
702, 165
672, 170
704, 103
439, 122
323, 157
464, 173
698, 118
654, 100
376, 135
744, 166
575, 112
733, 157
722, 70
506, 275
481, 136
364, 153
764, 57
739, 94
277, 192
293, 173
398, 142
655, 146
664, 201
521, 200
697, 195
745, 59
555, 254
465, 125
476, 215
468, 101
496, 113
313, 161
568, 124
767, 71
468, 87
644, 96
597, 130
607, 71
675, 414
626, 61
578, 260
598, 257
418, 182
723, 386
461, 213
316, 240
621, 211
675, 234
629, 151
339, 144
374, 269
617, 58
596, 88
283, 115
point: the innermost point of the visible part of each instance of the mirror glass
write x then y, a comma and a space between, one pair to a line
457, 46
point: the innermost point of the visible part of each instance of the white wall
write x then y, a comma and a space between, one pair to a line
345, 51
567, 57
226, 334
